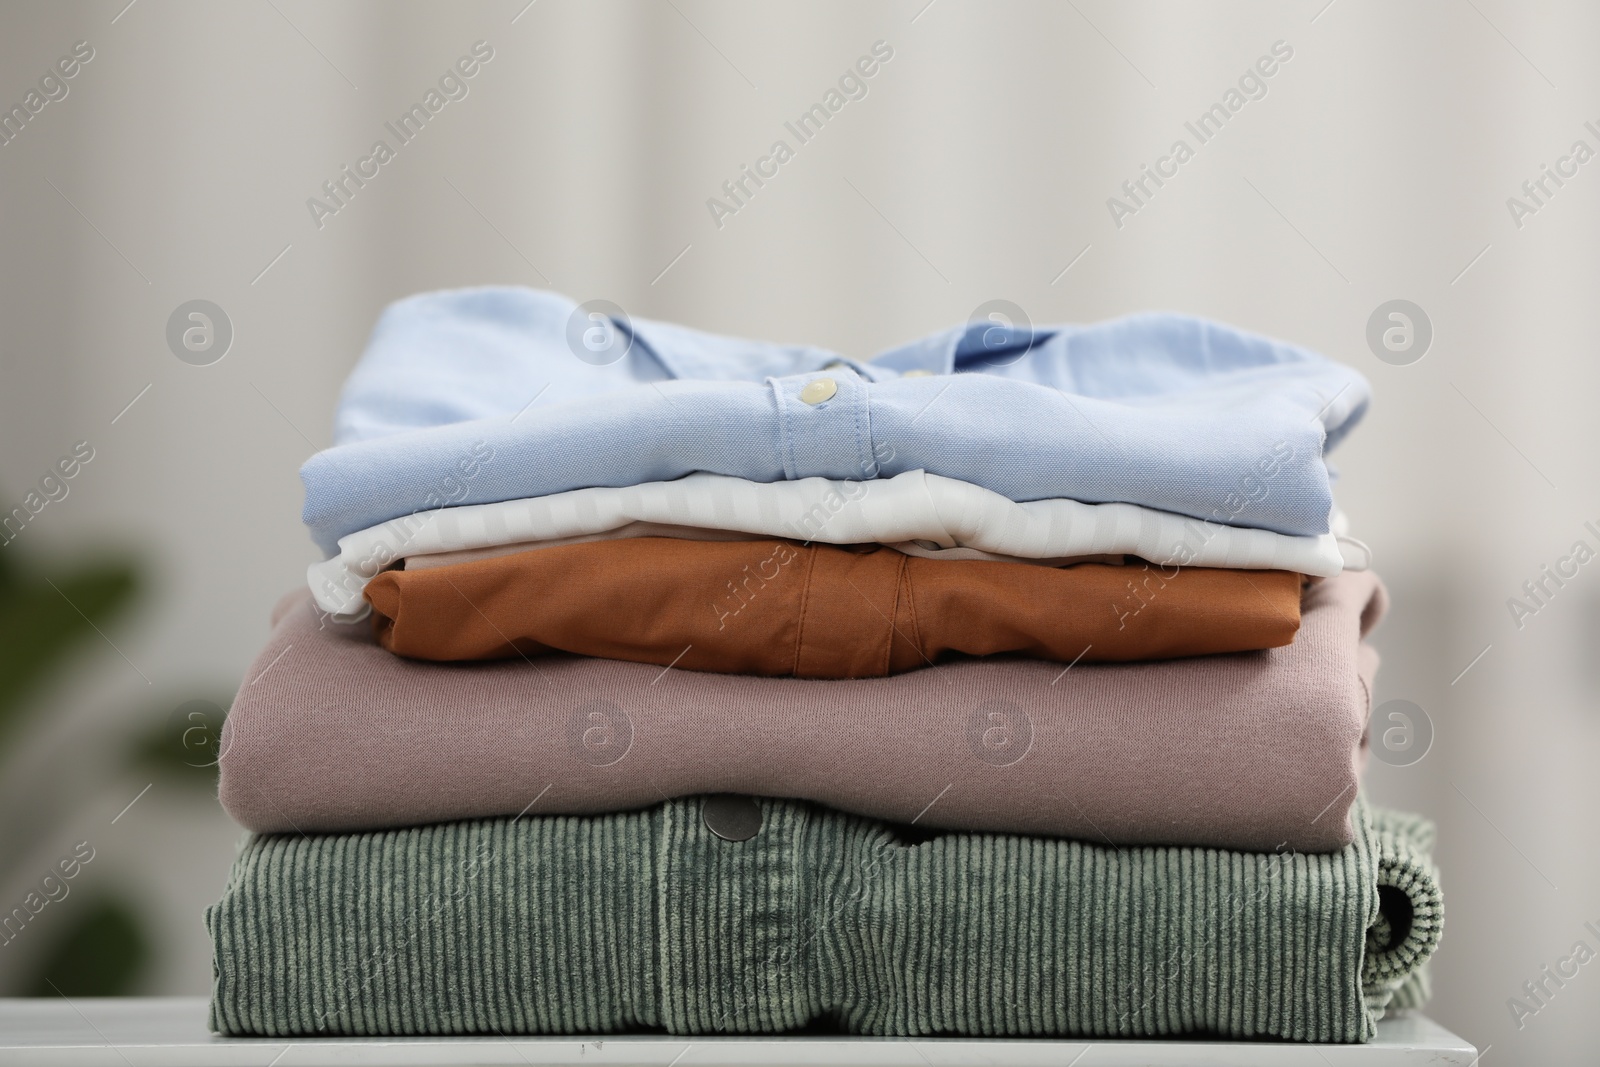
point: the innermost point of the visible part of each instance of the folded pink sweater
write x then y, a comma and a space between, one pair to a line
1253, 750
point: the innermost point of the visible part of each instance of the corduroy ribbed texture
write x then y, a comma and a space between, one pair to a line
646, 920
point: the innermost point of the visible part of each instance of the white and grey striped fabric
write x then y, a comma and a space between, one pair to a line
921, 512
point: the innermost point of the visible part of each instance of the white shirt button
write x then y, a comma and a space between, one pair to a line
819, 389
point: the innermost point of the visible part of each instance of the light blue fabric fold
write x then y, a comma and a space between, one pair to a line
475, 396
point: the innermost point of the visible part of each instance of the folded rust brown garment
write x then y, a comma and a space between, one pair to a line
818, 611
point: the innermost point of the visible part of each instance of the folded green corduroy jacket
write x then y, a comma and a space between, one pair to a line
647, 920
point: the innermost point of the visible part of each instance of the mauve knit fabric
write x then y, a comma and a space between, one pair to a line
1252, 750
646, 920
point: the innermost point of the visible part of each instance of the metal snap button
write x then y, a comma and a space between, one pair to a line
819, 389
731, 816
918, 373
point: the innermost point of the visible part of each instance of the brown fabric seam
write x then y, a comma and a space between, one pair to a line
805, 600
905, 594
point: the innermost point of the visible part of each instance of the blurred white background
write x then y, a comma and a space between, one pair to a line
978, 165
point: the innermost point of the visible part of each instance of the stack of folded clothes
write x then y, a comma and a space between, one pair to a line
1011, 683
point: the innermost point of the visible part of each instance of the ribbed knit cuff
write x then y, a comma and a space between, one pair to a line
1410, 918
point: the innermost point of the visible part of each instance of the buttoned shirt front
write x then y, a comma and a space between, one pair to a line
476, 396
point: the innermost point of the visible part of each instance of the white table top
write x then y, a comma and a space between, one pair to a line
171, 1032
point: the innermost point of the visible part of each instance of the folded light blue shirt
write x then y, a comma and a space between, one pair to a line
475, 396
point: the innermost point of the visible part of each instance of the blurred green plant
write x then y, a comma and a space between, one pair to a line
43, 620
185, 748
100, 955
48, 615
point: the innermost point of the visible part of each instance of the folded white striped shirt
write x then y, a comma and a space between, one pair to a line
917, 512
